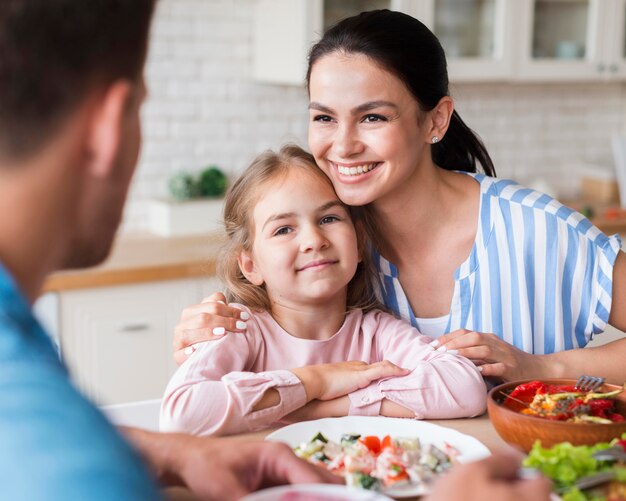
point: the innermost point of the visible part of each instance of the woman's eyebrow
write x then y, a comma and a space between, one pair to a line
370, 105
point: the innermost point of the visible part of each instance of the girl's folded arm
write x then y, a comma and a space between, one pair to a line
441, 385
213, 393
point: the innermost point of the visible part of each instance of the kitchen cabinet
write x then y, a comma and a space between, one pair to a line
567, 40
117, 341
284, 31
484, 40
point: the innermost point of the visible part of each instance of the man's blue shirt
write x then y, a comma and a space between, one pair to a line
54, 444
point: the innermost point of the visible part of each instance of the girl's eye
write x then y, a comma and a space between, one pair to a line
329, 219
284, 230
372, 118
322, 118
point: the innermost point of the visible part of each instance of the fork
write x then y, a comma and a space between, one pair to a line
589, 383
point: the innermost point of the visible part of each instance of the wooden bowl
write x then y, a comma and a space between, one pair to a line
522, 430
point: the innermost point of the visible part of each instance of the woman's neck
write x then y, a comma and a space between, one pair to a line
312, 320
430, 204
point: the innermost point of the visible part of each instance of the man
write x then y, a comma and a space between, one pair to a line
71, 88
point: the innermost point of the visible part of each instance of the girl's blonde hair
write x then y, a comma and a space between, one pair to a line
239, 205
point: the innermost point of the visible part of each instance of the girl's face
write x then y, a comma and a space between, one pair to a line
364, 131
305, 246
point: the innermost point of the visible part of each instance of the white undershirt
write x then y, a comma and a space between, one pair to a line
432, 327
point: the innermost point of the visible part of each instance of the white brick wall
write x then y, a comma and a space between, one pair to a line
204, 108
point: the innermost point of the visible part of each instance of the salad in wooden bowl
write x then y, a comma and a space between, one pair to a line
554, 411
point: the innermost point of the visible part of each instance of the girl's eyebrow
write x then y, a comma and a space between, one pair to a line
313, 105
285, 215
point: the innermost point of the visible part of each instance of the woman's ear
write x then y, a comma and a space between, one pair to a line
439, 121
249, 269
107, 126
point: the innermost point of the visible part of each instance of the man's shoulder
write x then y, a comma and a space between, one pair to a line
56, 444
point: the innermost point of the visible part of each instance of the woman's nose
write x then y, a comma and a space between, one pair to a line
347, 142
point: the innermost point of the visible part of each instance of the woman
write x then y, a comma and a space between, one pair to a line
459, 254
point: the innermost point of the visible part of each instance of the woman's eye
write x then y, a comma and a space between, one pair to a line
371, 118
322, 118
329, 219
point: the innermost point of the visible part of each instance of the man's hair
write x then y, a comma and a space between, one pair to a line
53, 52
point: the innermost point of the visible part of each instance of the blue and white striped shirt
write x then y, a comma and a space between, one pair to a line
539, 276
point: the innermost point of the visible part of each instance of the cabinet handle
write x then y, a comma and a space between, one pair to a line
601, 67
134, 327
613, 68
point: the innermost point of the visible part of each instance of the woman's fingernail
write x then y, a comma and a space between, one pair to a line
219, 331
244, 315
240, 324
453, 352
434, 343
222, 302
442, 348
480, 368
189, 350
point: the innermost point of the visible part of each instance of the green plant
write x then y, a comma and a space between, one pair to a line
182, 186
210, 182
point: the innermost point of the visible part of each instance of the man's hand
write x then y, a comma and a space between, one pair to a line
221, 468
495, 477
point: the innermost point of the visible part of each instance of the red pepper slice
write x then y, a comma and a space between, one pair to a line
372, 442
523, 394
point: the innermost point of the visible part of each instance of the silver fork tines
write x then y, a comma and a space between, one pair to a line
589, 383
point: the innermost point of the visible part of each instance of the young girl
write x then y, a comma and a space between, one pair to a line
315, 345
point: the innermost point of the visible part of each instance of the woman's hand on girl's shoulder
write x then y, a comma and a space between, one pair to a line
492, 355
207, 321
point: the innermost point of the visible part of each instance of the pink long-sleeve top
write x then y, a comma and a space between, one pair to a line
215, 390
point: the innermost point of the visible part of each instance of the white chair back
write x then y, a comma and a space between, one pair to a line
143, 414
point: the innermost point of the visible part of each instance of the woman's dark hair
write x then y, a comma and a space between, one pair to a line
409, 50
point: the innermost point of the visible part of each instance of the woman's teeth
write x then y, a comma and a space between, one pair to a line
356, 170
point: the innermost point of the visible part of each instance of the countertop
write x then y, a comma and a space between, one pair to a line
144, 258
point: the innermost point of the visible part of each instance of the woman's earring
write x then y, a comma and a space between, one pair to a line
434, 139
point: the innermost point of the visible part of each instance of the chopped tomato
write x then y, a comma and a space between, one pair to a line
386, 443
400, 475
372, 442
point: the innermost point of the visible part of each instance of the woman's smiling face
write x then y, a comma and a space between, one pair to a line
364, 129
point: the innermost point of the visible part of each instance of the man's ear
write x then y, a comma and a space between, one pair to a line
107, 126
248, 268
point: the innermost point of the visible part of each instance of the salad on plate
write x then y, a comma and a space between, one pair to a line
373, 462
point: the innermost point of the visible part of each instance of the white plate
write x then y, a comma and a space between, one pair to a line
315, 492
470, 449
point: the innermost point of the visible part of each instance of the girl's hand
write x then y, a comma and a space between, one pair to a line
492, 355
206, 321
328, 381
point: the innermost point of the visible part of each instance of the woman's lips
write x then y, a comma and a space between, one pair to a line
354, 171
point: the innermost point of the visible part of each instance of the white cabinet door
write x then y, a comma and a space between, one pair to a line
285, 30
563, 40
477, 36
117, 341
616, 40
